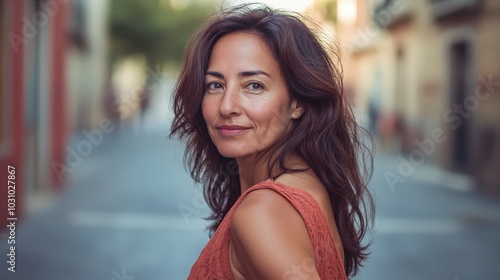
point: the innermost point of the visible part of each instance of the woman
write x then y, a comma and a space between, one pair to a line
272, 139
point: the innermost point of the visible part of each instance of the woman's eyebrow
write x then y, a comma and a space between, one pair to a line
252, 73
241, 74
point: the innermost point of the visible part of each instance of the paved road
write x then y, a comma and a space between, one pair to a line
131, 212
432, 230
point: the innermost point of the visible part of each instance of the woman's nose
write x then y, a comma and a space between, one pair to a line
230, 103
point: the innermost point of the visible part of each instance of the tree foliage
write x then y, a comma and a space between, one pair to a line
153, 28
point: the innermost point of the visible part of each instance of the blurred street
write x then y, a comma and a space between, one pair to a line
120, 216
430, 230
131, 212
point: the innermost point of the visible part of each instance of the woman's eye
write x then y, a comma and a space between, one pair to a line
214, 86
255, 86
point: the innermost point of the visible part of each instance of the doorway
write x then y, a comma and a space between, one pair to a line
460, 64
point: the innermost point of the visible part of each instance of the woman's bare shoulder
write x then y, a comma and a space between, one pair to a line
268, 236
308, 182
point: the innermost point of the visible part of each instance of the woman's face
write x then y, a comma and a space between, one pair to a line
246, 105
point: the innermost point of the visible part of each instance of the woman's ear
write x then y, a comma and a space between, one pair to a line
297, 109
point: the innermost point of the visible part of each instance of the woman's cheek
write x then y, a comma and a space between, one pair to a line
206, 108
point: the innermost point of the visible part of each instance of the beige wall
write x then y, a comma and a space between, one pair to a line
87, 69
422, 80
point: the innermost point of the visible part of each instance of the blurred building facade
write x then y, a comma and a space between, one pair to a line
54, 69
426, 77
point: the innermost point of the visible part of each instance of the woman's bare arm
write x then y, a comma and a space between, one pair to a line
270, 239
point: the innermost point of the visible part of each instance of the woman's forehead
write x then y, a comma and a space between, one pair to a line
242, 51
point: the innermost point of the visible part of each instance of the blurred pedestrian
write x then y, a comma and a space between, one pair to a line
144, 103
110, 103
276, 147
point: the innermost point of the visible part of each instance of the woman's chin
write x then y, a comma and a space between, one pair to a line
232, 152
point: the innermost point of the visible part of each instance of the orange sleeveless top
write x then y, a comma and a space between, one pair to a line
213, 262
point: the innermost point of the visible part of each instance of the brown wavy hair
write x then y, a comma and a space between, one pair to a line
326, 136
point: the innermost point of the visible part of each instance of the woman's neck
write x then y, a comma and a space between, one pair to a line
253, 170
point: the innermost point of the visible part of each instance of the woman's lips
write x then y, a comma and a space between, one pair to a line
231, 130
